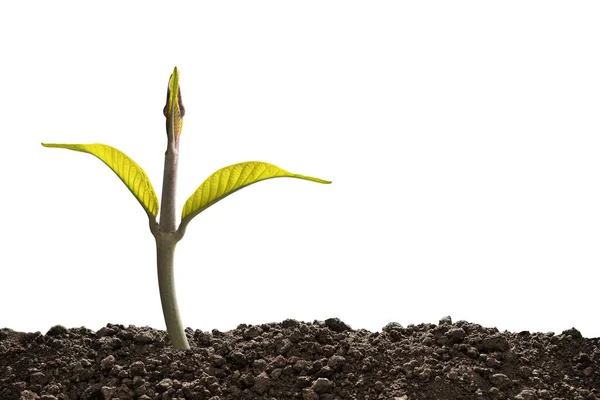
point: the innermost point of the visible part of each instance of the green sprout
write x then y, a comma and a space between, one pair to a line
216, 187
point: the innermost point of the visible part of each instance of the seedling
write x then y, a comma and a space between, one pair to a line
216, 187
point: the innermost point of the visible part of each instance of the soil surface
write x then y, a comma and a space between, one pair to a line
322, 360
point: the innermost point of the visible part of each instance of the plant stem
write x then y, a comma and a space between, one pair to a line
167, 206
166, 240
165, 254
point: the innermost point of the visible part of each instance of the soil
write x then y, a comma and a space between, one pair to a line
322, 360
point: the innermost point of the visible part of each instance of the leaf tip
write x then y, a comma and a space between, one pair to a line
313, 179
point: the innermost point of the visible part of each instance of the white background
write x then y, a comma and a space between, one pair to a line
462, 139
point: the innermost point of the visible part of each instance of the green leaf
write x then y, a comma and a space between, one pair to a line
132, 175
231, 179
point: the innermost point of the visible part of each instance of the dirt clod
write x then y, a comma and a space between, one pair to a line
322, 360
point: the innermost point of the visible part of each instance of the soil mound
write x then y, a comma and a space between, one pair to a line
322, 360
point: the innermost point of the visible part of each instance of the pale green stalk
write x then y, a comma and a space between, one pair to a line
165, 255
166, 239
167, 236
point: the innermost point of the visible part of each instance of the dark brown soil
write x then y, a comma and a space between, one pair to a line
296, 360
